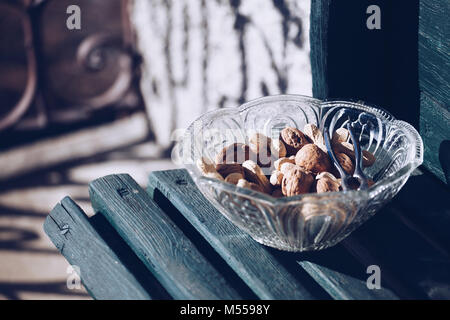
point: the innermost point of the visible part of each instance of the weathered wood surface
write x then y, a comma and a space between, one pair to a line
201, 55
424, 200
434, 82
102, 271
270, 273
414, 262
403, 67
157, 241
73, 146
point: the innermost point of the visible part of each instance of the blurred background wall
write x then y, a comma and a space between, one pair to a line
79, 104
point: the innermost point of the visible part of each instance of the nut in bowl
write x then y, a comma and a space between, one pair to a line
278, 183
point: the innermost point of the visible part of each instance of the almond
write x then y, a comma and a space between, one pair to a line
347, 148
226, 169
254, 173
234, 153
315, 135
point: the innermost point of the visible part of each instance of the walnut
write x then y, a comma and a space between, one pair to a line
286, 166
326, 184
312, 158
296, 181
293, 140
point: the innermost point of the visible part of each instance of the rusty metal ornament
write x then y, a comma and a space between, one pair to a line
30, 89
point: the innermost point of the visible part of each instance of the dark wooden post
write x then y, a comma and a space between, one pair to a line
402, 67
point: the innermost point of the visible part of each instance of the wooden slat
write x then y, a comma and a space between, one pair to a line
435, 132
270, 273
405, 253
403, 67
73, 146
434, 82
157, 241
424, 200
102, 272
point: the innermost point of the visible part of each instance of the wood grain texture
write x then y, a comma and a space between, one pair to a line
403, 67
102, 272
270, 273
397, 246
319, 21
157, 241
434, 82
201, 55
73, 146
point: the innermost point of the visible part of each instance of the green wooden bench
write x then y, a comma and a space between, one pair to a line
169, 242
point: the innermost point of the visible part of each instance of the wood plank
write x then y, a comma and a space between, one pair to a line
73, 146
435, 132
201, 55
102, 272
403, 67
434, 48
403, 251
157, 241
434, 82
319, 21
270, 273
424, 201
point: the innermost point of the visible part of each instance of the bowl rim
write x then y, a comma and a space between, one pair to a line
371, 192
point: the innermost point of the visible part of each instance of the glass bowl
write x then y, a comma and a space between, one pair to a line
309, 221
